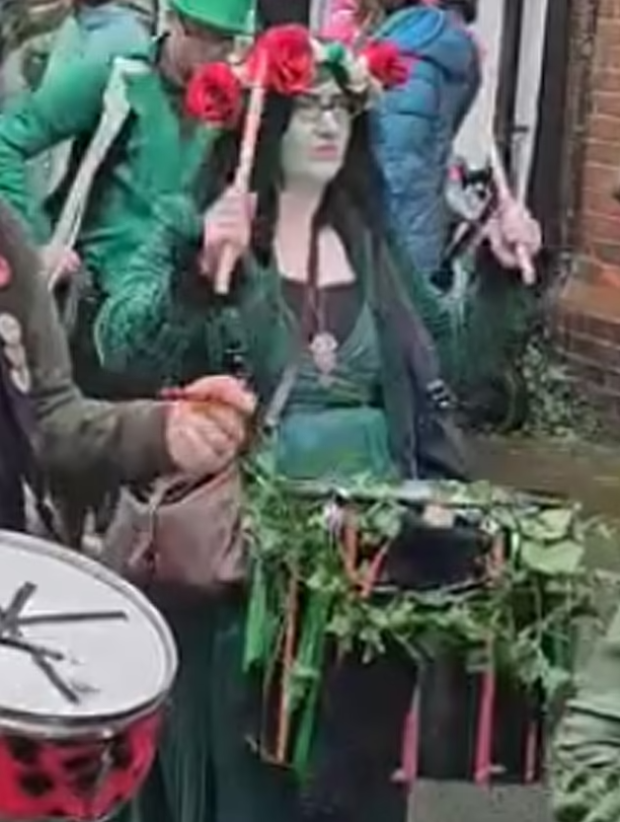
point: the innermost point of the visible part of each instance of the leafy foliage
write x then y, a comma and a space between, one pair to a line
555, 407
520, 619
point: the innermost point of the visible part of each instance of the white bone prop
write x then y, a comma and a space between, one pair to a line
528, 271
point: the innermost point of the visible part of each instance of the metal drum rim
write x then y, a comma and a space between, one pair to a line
16, 724
64, 727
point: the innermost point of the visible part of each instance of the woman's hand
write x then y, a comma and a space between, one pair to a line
228, 223
208, 427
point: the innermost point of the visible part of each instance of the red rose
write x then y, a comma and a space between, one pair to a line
386, 64
214, 95
290, 60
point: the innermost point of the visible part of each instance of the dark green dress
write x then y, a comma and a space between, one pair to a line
332, 427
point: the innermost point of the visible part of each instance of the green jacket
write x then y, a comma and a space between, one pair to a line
81, 443
586, 753
157, 326
134, 176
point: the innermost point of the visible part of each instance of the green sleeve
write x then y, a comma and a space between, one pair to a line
68, 106
78, 440
258, 298
145, 326
586, 751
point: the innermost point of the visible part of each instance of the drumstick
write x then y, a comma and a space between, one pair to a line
528, 271
199, 403
57, 619
26, 647
244, 169
9, 623
9, 617
54, 678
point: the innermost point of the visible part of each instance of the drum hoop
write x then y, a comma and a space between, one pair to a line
21, 724
63, 727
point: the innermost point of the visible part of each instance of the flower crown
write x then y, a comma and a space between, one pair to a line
286, 60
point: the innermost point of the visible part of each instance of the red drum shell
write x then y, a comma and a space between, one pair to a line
84, 779
80, 758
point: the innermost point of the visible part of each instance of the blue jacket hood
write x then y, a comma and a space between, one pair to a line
413, 126
434, 35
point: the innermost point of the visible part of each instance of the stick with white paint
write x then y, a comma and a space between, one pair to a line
528, 272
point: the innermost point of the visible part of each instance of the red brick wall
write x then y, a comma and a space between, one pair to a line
599, 218
588, 335
589, 314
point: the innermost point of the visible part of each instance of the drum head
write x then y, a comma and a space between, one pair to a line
83, 647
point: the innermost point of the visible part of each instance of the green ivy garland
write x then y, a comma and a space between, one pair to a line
524, 618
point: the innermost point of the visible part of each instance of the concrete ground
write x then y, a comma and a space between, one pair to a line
450, 802
580, 471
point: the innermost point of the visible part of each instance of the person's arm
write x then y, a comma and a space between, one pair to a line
586, 750
75, 437
69, 105
159, 318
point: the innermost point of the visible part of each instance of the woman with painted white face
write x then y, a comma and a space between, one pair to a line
317, 310
319, 296
367, 396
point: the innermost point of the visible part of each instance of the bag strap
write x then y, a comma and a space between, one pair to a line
285, 386
116, 109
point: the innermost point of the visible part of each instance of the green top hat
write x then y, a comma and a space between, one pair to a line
234, 16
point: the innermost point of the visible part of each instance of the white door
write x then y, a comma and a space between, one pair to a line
474, 138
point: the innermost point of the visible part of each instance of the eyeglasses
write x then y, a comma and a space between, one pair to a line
314, 106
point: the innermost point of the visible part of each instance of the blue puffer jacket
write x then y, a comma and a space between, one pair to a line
414, 125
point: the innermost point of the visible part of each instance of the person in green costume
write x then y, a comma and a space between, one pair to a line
95, 29
585, 771
135, 107
316, 289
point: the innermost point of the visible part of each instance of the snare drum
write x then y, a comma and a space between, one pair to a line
86, 664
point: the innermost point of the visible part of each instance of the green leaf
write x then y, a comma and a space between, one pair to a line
561, 559
550, 526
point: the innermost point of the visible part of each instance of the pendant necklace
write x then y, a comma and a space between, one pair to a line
323, 346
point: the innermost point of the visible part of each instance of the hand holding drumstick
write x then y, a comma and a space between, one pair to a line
227, 230
207, 424
239, 203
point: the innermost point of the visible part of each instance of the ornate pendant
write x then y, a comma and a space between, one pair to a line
324, 350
